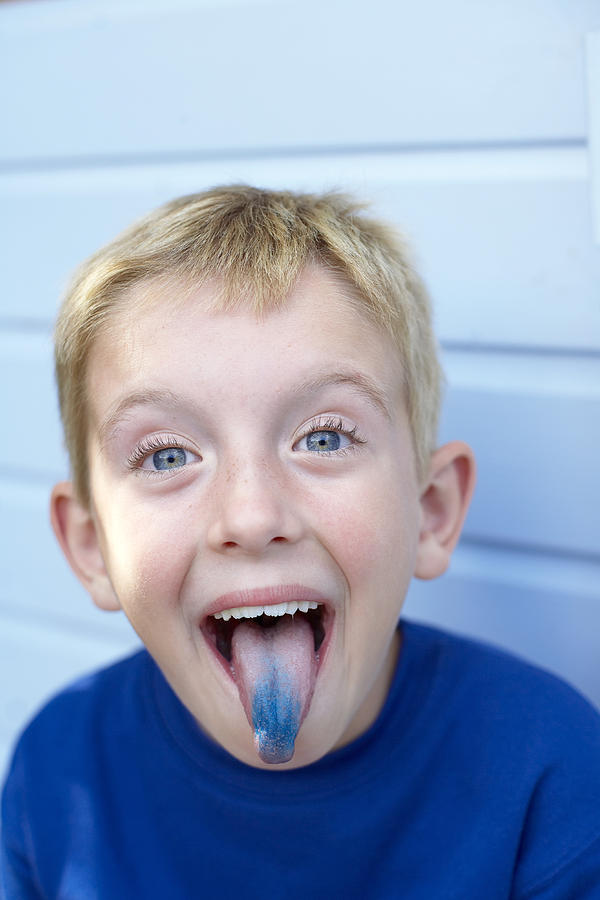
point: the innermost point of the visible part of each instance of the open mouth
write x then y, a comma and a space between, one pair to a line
273, 652
220, 627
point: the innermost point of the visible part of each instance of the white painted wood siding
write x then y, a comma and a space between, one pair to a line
466, 124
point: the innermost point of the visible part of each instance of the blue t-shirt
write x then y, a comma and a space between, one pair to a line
480, 779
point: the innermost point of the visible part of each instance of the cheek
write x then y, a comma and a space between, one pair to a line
372, 533
147, 564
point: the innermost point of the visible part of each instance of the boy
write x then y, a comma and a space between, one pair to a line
249, 390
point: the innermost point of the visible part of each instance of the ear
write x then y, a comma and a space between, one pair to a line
444, 504
77, 533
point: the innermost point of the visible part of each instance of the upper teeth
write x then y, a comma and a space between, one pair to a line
275, 609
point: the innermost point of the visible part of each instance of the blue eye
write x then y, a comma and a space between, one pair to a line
161, 454
323, 441
329, 437
169, 458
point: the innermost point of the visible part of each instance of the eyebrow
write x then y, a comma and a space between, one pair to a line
357, 380
138, 398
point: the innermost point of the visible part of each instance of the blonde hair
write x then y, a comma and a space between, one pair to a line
254, 243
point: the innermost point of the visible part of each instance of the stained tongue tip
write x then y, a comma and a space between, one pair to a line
272, 752
276, 717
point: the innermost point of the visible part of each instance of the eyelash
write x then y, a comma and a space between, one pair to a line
149, 445
154, 443
332, 424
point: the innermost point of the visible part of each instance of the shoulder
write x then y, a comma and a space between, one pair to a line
71, 745
69, 762
73, 721
508, 717
468, 669
522, 738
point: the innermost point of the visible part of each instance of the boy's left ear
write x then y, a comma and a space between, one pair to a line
444, 504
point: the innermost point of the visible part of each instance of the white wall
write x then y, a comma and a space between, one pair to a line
464, 123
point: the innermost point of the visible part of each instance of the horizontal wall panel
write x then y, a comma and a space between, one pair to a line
33, 449
36, 660
546, 610
498, 237
506, 263
535, 438
538, 463
304, 75
500, 370
33, 445
593, 105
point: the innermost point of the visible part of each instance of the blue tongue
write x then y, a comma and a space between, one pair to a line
276, 711
275, 670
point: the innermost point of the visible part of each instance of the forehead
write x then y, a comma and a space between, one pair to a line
166, 329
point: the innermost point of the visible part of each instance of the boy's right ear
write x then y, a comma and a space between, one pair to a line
77, 533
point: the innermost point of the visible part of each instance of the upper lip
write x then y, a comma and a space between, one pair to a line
264, 596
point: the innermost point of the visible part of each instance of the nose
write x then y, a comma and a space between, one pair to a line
252, 510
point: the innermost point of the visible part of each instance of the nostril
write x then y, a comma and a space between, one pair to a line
279, 539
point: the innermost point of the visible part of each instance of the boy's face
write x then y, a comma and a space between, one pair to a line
236, 461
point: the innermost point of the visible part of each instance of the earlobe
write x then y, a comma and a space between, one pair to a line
444, 504
77, 534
